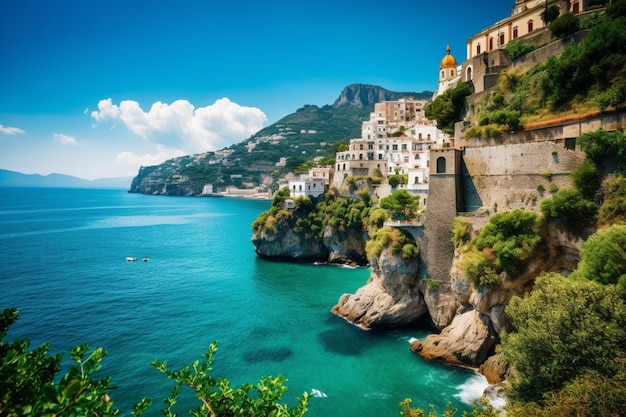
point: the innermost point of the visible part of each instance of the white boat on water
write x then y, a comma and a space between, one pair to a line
130, 259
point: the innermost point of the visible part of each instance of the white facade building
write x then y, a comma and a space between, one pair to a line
305, 186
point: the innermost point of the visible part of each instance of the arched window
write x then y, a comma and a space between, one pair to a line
443, 74
468, 76
501, 43
441, 165
490, 44
451, 73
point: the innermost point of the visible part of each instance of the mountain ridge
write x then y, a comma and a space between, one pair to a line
54, 180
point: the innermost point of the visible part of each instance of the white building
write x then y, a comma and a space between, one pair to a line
305, 186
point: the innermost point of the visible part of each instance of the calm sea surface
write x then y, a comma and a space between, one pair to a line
63, 265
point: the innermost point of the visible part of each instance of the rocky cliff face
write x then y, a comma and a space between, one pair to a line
472, 334
335, 247
391, 296
364, 95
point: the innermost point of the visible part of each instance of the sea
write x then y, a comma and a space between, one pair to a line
63, 265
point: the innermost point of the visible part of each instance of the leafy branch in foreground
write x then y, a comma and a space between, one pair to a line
218, 398
28, 387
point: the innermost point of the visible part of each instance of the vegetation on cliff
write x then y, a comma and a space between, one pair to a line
504, 245
584, 78
567, 337
400, 242
449, 107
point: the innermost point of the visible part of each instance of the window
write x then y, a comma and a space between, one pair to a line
394, 147
380, 156
404, 147
370, 146
420, 136
491, 44
441, 165
477, 49
361, 147
530, 25
515, 32
576, 8
417, 156
501, 40
443, 74
468, 77
360, 156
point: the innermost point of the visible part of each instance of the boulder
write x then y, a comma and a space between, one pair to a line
467, 341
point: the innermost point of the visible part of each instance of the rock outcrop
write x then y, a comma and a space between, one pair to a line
471, 336
337, 247
364, 95
391, 296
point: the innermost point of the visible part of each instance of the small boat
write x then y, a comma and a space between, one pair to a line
130, 259
146, 259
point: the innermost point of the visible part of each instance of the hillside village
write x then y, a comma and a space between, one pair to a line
398, 138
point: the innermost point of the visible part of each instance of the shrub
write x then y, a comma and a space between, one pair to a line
518, 48
564, 25
570, 207
478, 270
513, 236
563, 330
613, 208
400, 242
603, 258
587, 178
461, 231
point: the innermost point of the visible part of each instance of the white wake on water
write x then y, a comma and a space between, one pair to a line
472, 389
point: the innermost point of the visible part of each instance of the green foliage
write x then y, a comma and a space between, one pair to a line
400, 242
590, 395
564, 25
606, 149
479, 270
613, 208
570, 207
518, 48
484, 132
550, 14
449, 107
603, 258
513, 236
478, 410
587, 178
401, 205
218, 398
29, 384
398, 179
563, 330
377, 218
461, 231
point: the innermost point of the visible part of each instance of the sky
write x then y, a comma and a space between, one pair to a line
96, 89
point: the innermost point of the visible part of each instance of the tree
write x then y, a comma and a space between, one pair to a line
563, 330
401, 204
603, 258
550, 14
449, 107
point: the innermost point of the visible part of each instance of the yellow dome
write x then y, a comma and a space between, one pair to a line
448, 60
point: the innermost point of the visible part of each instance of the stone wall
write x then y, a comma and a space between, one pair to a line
553, 49
506, 177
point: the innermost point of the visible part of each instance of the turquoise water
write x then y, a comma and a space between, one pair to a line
63, 265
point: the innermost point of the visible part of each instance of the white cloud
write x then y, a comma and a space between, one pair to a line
133, 161
7, 130
64, 139
182, 127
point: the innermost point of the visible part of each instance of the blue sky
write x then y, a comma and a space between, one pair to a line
97, 89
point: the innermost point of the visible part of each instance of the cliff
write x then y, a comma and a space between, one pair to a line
391, 297
363, 95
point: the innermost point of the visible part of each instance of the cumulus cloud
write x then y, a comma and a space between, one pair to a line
64, 139
132, 161
182, 127
8, 130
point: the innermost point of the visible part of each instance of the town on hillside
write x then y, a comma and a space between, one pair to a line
398, 140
